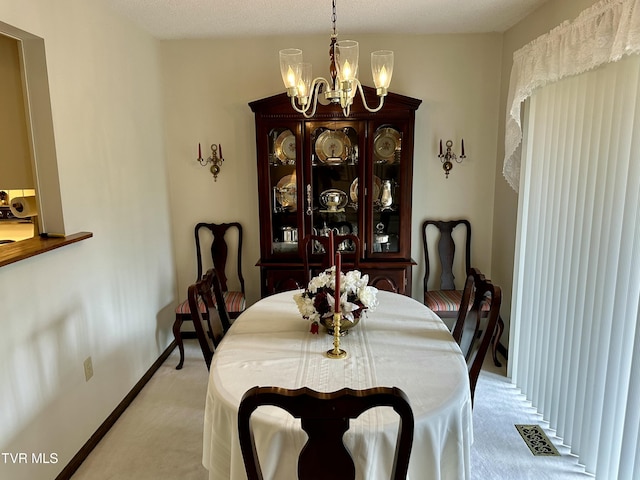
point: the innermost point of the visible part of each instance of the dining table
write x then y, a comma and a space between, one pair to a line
399, 344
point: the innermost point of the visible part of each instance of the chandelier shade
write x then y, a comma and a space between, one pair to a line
305, 78
382, 68
346, 58
290, 61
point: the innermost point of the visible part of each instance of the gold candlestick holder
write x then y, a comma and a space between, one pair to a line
336, 351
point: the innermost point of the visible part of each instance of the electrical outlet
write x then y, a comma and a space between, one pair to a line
88, 369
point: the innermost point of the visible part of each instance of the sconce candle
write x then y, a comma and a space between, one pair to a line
462, 155
200, 150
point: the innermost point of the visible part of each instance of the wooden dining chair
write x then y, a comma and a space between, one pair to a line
445, 300
325, 417
479, 295
213, 323
234, 299
348, 244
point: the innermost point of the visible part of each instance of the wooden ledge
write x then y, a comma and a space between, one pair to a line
16, 251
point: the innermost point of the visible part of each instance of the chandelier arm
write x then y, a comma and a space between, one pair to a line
317, 82
313, 101
315, 91
298, 109
313, 98
364, 101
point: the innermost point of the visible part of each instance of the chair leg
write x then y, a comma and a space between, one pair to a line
496, 341
178, 336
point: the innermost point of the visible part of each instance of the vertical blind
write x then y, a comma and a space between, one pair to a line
575, 331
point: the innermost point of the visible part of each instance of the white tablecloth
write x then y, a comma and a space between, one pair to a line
401, 344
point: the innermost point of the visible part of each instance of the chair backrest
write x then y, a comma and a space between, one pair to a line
446, 251
219, 251
325, 418
213, 323
477, 292
348, 245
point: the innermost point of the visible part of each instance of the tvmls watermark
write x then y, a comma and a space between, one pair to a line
29, 458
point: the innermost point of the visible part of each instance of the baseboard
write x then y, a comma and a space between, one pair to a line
102, 430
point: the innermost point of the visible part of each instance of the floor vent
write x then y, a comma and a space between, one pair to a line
537, 440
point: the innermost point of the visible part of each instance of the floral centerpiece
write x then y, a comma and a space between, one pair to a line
317, 302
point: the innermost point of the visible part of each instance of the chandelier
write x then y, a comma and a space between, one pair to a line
344, 83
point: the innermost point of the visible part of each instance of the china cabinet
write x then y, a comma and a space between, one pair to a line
334, 173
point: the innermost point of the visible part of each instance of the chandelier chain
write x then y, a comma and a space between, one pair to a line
334, 17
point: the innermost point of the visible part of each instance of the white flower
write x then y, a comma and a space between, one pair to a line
368, 297
350, 282
321, 281
355, 295
305, 306
346, 307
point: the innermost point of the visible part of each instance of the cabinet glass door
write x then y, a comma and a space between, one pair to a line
386, 190
332, 190
283, 159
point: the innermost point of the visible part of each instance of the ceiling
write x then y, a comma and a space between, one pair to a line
175, 19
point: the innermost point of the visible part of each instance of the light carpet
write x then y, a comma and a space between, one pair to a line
160, 435
498, 450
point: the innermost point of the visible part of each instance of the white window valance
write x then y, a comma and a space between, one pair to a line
603, 33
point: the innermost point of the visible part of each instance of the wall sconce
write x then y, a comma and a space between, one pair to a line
448, 157
215, 160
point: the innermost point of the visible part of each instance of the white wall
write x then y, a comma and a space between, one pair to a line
208, 84
504, 221
112, 296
